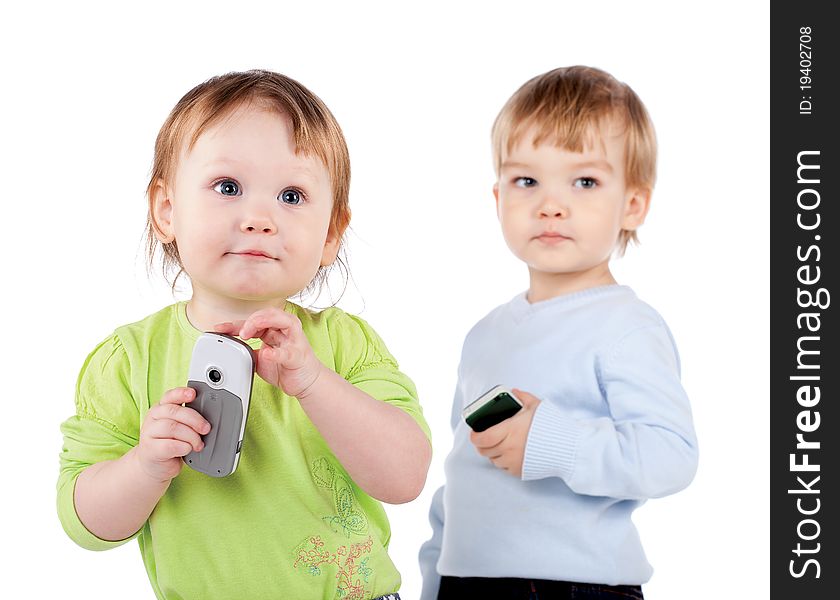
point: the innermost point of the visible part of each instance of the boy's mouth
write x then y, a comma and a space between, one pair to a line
552, 237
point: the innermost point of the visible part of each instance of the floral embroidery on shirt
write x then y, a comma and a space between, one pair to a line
347, 520
352, 573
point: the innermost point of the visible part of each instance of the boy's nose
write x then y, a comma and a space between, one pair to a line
551, 206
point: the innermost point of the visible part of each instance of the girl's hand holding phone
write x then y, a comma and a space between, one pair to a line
169, 432
285, 359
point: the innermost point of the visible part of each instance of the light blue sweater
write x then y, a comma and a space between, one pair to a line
614, 428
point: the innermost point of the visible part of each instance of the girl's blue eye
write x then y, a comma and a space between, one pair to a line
525, 182
586, 183
290, 196
227, 187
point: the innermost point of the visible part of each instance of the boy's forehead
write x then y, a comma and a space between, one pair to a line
586, 137
601, 143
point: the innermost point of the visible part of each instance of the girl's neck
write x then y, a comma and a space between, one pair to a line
205, 313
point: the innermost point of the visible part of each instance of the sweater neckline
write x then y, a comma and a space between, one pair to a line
522, 309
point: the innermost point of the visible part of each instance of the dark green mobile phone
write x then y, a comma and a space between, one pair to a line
491, 408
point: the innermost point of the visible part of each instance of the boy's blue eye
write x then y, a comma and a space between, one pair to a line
227, 187
290, 196
525, 182
586, 183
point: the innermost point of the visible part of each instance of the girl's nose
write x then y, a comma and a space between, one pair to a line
258, 224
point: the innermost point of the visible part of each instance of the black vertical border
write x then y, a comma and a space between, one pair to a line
791, 133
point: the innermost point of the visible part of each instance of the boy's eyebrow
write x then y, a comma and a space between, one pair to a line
587, 164
509, 164
595, 164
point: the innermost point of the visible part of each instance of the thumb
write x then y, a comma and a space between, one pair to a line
528, 400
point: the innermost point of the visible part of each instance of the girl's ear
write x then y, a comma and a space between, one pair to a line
330, 249
338, 226
333, 242
160, 212
636, 206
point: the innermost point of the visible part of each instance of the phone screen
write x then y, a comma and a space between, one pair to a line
502, 406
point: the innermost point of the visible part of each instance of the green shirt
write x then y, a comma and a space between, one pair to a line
289, 523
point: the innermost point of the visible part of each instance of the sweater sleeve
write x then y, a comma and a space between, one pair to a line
106, 426
645, 448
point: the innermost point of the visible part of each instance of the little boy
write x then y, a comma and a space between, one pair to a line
540, 505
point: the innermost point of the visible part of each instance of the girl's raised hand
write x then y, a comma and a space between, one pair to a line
169, 432
285, 358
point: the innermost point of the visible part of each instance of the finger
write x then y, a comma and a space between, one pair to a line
275, 354
229, 327
181, 414
178, 395
489, 438
526, 398
493, 454
167, 429
165, 449
267, 319
271, 361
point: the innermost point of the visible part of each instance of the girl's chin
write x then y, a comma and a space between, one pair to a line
249, 293
250, 287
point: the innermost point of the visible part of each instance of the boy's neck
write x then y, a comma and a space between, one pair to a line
204, 313
545, 286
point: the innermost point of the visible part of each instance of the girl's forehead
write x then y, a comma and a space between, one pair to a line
251, 137
244, 125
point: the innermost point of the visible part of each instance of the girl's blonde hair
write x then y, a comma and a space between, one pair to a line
565, 106
314, 128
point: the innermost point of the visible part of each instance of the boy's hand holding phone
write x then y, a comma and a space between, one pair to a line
504, 444
169, 432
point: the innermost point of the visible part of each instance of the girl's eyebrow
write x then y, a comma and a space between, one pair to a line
223, 161
298, 170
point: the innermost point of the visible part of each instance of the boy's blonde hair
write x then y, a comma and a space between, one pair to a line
314, 128
566, 106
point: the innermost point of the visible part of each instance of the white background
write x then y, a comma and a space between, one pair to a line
415, 88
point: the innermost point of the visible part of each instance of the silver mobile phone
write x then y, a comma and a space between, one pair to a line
491, 408
221, 373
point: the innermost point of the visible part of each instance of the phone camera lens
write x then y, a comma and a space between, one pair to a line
214, 375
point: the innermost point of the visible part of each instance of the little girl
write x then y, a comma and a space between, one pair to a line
248, 198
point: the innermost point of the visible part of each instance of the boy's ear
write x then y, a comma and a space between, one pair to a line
636, 206
160, 211
496, 195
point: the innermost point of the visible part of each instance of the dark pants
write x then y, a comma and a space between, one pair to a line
509, 588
